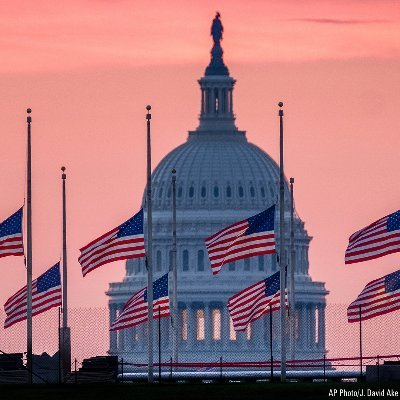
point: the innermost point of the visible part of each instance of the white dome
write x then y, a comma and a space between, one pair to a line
217, 171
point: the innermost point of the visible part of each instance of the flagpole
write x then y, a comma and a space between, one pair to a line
361, 353
65, 330
159, 345
174, 274
29, 255
270, 342
282, 265
292, 303
149, 253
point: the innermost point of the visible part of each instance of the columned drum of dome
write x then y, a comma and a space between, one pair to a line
220, 179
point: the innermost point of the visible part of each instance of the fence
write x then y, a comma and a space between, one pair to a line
212, 349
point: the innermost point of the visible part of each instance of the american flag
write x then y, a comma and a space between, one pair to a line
135, 310
255, 301
380, 296
251, 237
125, 241
46, 294
11, 236
376, 240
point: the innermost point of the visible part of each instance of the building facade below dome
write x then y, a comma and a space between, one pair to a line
221, 178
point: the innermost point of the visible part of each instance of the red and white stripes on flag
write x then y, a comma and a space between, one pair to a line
255, 301
381, 296
124, 242
251, 237
11, 236
135, 310
46, 294
378, 239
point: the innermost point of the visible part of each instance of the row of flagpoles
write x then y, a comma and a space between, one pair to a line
247, 238
251, 237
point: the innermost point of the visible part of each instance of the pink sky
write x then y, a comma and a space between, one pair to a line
88, 69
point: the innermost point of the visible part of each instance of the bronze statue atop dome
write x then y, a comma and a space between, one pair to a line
217, 29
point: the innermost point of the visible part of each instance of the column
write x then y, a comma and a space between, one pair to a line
258, 334
121, 333
127, 339
220, 101
231, 100
113, 334
321, 327
224, 327
312, 327
202, 101
208, 334
212, 101
191, 326
303, 325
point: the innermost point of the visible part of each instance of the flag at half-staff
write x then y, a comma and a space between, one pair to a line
135, 310
255, 301
380, 296
11, 236
124, 242
46, 294
247, 238
378, 239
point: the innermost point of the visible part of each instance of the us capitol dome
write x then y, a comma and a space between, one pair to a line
221, 178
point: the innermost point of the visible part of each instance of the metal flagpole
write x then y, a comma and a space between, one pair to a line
149, 253
29, 255
270, 342
65, 330
292, 303
174, 274
159, 345
282, 264
361, 353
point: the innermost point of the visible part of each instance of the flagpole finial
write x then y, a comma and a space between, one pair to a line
291, 180
63, 176
280, 104
173, 171
148, 115
29, 118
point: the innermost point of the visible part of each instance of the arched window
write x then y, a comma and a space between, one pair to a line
180, 191
185, 260
200, 331
232, 332
200, 260
247, 264
184, 332
241, 191
216, 324
203, 191
216, 191
252, 191
191, 191
248, 332
231, 266
228, 192
262, 192
158, 260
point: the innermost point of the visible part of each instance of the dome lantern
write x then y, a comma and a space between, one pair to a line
217, 88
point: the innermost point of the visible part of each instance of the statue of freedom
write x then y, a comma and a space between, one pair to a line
217, 29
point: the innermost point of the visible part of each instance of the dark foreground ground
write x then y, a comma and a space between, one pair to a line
231, 391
